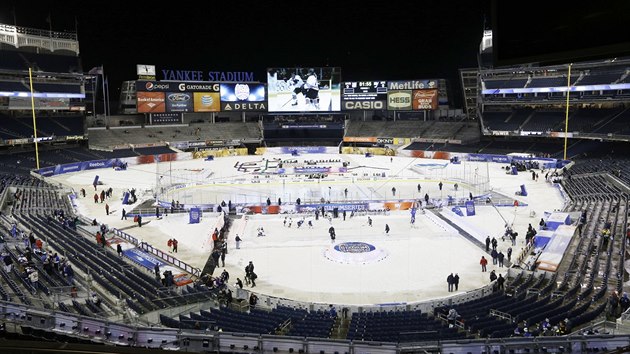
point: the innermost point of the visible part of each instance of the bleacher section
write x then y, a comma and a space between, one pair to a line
52, 63
465, 131
107, 138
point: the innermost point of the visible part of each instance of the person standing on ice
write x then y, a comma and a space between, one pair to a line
331, 231
386, 229
370, 221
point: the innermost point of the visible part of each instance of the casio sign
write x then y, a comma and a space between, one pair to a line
364, 105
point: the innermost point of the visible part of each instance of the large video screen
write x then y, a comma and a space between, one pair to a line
304, 89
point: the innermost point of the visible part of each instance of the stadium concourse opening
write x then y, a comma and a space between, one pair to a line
409, 263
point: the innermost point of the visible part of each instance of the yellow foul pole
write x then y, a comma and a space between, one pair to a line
566, 114
30, 79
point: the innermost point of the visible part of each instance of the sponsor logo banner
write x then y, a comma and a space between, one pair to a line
150, 102
399, 100
385, 140
243, 106
207, 102
161, 86
374, 104
303, 149
144, 259
179, 102
425, 99
330, 207
470, 208
243, 97
359, 139
412, 84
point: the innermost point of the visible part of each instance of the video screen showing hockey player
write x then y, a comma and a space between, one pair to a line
304, 89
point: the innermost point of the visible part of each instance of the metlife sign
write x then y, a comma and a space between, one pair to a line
162, 86
411, 85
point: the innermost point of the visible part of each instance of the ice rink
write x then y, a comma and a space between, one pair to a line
294, 263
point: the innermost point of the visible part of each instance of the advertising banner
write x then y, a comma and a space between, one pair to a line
310, 208
144, 259
399, 100
194, 215
163, 86
365, 150
207, 102
359, 139
150, 102
303, 149
398, 205
243, 97
425, 99
179, 102
470, 208
412, 84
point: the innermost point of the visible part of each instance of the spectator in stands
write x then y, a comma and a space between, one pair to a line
613, 304
119, 250
8, 263
156, 269
69, 273
33, 276
452, 317
500, 282
332, 311
624, 302
253, 300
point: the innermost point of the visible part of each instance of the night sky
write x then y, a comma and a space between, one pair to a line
369, 40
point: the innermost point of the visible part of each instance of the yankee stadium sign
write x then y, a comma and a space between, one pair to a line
195, 75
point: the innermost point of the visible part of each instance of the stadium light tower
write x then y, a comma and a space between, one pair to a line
566, 114
30, 79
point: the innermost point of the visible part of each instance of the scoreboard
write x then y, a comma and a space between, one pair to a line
364, 95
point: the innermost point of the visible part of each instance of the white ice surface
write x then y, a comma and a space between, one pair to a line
290, 262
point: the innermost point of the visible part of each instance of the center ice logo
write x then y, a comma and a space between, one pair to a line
354, 247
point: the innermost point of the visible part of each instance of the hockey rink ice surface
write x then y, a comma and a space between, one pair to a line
413, 261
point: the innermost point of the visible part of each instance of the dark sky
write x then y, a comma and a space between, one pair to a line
384, 40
